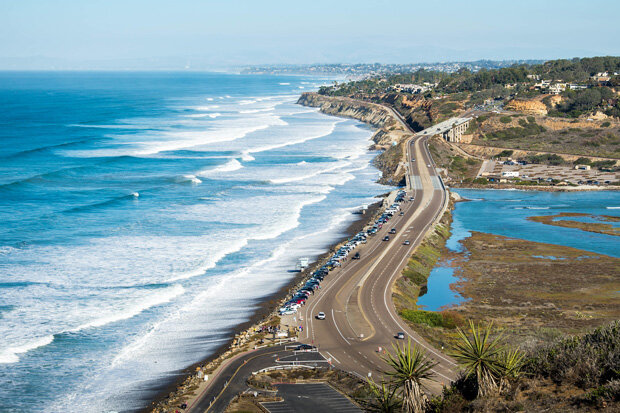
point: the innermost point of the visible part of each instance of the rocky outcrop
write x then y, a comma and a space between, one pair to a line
389, 137
527, 106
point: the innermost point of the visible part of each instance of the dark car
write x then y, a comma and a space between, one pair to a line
400, 335
393, 231
386, 238
356, 256
304, 347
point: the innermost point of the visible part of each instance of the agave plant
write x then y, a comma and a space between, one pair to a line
479, 356
411, 367
384, 398
511, 365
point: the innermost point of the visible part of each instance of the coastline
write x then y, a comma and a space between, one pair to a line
180, 384
265, 309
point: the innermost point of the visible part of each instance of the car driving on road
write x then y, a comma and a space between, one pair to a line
386, 238
406, 242
320, 316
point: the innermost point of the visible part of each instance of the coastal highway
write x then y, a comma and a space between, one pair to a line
357, 299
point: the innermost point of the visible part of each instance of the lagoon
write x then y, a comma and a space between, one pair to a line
505, 212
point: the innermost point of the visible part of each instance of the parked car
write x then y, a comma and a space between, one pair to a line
304, 347
320, 316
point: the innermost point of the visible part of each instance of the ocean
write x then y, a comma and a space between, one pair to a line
144, 215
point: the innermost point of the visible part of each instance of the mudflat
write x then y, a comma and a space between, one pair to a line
536, 290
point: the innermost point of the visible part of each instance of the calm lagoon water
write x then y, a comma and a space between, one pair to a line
505, 212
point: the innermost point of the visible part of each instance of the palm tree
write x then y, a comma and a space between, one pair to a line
511, 364
479, 355
410, 366
384, 398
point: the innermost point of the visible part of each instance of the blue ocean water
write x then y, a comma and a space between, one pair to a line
505, 213
143, 215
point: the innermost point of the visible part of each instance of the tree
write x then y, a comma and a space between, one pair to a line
384, 398
411, 367
479, 356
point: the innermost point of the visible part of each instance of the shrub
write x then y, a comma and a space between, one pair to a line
430, 318
605, 124
505, 153
549, 159
587, 361
505, 119
583, 161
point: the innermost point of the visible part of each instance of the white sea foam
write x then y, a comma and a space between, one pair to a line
204, 115
612, 207
6, 249
189, 178
310, 175
161, 297
295, 141
11, 354
229, 166
248, 111
284, 83
211, 261
206, 108
245, 156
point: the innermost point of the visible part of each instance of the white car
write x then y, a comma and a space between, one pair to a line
320, 316
288, 312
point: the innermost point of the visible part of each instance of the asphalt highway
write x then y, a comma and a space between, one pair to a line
361, 318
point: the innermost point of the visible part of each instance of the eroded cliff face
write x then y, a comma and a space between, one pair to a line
389, 137
532, 106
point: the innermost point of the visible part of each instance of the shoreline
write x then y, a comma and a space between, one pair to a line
265, 309
267, 306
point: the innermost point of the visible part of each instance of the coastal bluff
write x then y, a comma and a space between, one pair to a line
389, 137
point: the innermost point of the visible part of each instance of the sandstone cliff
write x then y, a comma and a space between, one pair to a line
527, 106
389, 137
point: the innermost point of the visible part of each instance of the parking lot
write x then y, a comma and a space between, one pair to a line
310, 398
562, 173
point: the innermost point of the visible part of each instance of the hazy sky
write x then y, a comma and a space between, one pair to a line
203, 34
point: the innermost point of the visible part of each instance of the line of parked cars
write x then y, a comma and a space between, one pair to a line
313, 284
387, 214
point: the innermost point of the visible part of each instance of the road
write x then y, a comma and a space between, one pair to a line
357, 299
232, 380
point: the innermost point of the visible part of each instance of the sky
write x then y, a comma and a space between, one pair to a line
204, 34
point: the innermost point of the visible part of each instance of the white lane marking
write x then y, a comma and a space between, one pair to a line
336, 324
332, 356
